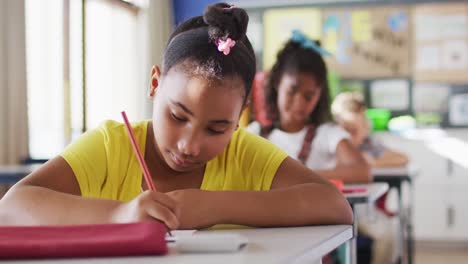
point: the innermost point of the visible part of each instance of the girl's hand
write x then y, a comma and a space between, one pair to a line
369, 159
196, 208
149, 205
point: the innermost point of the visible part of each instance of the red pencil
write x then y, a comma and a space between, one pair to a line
141, 160
137, 151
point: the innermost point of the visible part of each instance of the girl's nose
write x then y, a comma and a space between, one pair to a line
189, 145
299, 103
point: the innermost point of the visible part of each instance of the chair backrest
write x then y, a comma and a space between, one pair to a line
258, 99
29, 161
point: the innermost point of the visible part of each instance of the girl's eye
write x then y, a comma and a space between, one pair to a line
309, 96
215, 132
178, 119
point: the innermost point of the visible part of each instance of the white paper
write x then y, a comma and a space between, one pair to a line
455, 55
453, 26
440, 27
390, 94
428, 57
179, 233
425, 27
458, 114
430, 97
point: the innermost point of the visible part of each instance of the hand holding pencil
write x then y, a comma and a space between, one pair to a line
150, 204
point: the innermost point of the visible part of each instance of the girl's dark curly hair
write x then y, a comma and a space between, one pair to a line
294, 59
192, 46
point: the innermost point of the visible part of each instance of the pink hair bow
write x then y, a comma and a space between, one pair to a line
225, 46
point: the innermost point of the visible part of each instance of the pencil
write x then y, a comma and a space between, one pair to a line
141, 160
137, 151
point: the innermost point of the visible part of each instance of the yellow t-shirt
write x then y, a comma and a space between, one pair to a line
106, 167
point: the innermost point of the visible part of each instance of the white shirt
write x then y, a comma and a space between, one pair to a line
323, 150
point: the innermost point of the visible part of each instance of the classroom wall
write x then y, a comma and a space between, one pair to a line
405, 91
13, 118
185, 9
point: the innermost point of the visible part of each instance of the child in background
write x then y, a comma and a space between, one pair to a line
206, 170
298, 108
349, 111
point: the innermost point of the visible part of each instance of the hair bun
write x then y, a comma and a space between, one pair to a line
225, 21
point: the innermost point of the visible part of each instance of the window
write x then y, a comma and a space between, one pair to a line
44, 58
68, 92
114, 68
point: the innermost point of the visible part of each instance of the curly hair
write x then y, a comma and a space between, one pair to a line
192, 46
293, 58
348, 104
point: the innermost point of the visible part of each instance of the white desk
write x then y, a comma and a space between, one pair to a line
410, 170
266, 245
13, 174
373, 192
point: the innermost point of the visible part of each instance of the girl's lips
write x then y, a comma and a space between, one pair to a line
181, 161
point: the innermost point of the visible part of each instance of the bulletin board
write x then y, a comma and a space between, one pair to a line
367, 42
279, 24
440, 42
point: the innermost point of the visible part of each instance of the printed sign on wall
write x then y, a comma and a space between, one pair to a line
440, 46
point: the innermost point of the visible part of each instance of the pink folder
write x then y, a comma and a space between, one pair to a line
143, 238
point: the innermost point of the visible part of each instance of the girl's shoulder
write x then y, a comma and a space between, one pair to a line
112, 128
116, 125
244, 140
332, 129
253, 127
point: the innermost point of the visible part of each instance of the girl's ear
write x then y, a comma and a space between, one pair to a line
154, 81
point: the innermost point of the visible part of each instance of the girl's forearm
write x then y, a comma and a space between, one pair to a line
390, 159
305, 204
348, 173
32, 205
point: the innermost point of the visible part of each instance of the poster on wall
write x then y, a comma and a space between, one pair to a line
278, 25
431, 97
458, 111
367, 42
392, 94
440, 42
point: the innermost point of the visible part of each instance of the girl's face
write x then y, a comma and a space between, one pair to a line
194, 118
298, 94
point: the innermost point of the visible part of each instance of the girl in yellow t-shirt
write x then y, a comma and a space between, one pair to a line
206, 170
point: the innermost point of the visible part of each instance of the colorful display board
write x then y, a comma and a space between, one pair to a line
278, 25
367, 42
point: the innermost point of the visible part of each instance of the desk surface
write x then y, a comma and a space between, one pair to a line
13, 174
266, 245
372, 193
405, 171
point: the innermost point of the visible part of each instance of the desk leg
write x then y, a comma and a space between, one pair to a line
401, 225
409, 225
351, 252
